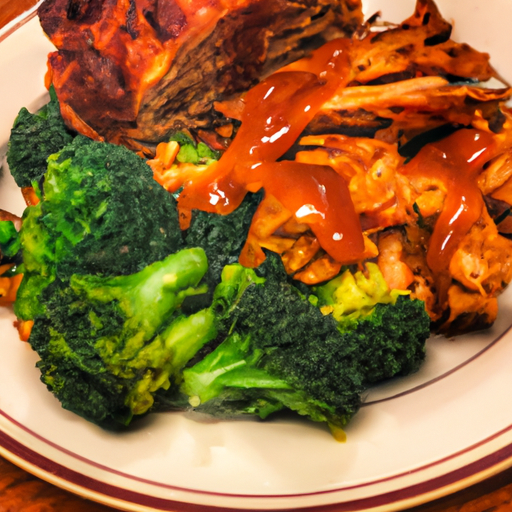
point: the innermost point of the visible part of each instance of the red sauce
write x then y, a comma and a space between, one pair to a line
456, 160
276, 112
318, 197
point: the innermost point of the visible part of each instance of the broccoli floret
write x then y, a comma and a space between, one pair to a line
280, 352
349, 296
222, 236
108, 344
34, 137
9, 241
353, 297
192, 152
389, 327
107, 278
101, 212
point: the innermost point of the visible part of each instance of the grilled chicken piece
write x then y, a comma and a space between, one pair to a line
140, 69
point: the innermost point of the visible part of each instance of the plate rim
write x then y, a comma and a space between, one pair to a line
41, 466
20, 20
417, 492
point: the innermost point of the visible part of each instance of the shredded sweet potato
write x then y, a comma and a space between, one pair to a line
8, 286
24, 328
403, 86
405, 81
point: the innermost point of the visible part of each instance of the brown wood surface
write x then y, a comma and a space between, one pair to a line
21, 491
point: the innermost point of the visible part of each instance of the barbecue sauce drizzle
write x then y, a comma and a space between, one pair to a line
276, 112
457, 160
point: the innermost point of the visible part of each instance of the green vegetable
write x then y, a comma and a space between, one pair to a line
353, 295
222, 236
107, 280
131, 315
9, 240
101, 212
34, 137
192, 152
108, 344
280, 352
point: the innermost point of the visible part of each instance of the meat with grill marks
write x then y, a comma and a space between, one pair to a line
131, 71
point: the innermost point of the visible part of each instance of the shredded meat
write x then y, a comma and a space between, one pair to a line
134, 72
483, 260
140, 69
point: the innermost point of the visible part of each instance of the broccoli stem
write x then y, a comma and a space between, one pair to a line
229, 365
150, 297
169, 352
186, 335
278, 351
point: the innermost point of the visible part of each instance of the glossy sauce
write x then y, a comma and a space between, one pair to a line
319, 195
276, 112
456, 160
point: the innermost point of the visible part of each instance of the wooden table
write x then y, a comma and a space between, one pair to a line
21, 491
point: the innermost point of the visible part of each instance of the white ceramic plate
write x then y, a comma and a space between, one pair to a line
416, 439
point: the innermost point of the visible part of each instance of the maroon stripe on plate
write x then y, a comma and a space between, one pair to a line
451, 371
16, 23
67, 475
147, 481
105, 490
102, 489
417, 490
